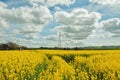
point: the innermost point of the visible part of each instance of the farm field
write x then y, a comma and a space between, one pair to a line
60, 65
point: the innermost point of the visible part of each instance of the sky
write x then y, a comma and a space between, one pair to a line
46, 23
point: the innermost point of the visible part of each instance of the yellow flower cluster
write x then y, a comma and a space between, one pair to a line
58, 69
97, 67
60, 65
19, 65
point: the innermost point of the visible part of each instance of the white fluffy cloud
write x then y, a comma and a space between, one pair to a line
32, 36
51, 37
22, 15
31, 31
77, 24
3, 23
51, 3
28, 20
30, 28
105, 2
78, 16
2, 4
112, 26
65, 42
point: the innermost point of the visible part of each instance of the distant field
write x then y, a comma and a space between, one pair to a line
60, 65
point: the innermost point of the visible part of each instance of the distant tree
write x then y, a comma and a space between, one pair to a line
4, 47
11, 46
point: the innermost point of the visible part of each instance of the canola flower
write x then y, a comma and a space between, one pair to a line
17, 65
60, 65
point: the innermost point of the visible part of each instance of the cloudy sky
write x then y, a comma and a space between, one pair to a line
36, 23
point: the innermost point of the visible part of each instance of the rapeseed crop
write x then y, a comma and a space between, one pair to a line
60, 65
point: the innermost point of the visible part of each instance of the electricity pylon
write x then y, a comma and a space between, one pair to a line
59, 39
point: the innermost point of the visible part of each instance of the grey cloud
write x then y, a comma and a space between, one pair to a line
112, 26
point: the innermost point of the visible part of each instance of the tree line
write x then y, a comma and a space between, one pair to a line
11, 46
14, 46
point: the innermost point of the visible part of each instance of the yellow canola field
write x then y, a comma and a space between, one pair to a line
78, 51
60, 65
